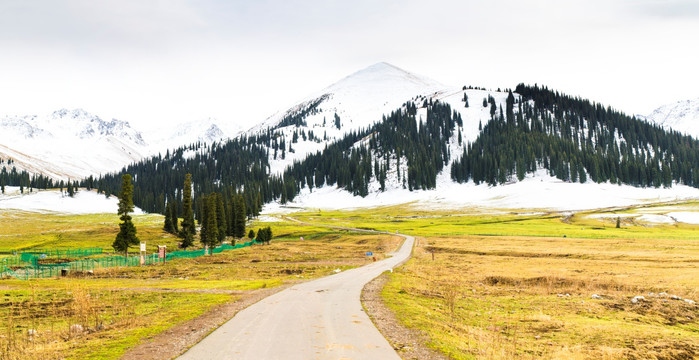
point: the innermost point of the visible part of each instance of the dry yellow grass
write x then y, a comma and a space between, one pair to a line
530, 298
118, 308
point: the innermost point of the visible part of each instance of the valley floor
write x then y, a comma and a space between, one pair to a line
122, 312
569, 287
483, 283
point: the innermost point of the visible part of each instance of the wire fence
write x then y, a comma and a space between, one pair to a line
29, 265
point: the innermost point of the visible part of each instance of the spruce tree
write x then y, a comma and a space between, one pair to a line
337, 121
127, 231
240, 218
204, 221
209, 230
251, 234
167, 226
220, 218
173, 215
188, 230
264, 235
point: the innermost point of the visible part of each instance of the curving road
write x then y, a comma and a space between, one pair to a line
319, 319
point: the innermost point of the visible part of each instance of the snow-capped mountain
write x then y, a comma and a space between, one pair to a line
682, 116
73, 144
204, 131
383, 135
69, 143
352, 103
359, 99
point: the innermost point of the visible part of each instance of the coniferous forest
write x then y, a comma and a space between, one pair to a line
573, 139
577, 141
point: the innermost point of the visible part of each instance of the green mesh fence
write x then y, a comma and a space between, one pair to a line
28, 265
12, 261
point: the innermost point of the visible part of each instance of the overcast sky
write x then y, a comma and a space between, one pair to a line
149, 62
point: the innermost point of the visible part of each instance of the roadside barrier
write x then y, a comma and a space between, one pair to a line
28, 265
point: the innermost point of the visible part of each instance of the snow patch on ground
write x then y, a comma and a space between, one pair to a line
611, 216
84, 202
685, 217
271, 219
538, 191
656, 219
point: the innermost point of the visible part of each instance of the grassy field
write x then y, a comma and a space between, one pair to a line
114, 309
483, 284
503, 285
22, 230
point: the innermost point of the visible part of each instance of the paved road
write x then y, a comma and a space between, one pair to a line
319, 319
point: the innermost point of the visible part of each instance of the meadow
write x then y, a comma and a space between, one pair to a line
489, 284
482, 284
101, 315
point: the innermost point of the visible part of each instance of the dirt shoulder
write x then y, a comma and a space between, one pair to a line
176, 340
410, 344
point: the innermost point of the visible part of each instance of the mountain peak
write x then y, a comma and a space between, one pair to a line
682, 116
384, 75
74, 113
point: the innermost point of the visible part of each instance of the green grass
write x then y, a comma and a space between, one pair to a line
492, 290
127, 317
499, 223
138, 302
24, 230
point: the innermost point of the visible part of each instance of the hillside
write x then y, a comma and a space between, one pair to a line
349, 105
73, 144
435, 142
682, 116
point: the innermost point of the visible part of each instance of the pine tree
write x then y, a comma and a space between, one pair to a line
251, 234
204, 221
167, 226
127, 231
337, 121
209, 231
188, 230
264, 235
173, 215
220, 218
240, 218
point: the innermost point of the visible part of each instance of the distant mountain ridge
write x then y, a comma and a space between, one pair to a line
384, 130
73, 143
682, 116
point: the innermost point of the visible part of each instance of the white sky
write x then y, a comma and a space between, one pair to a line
152, 62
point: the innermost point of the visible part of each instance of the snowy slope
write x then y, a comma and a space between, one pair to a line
73, 144
364, 108
84, 202
359, 100
537, 191
205, 130
69, 143
682, 116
